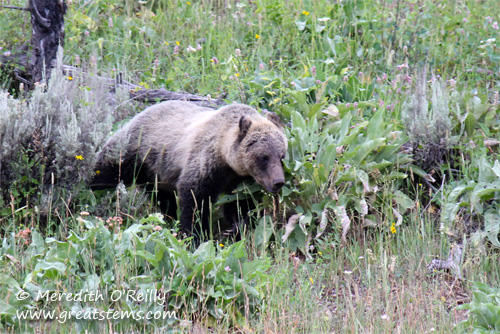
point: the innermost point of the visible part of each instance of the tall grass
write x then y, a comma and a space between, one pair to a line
429, 67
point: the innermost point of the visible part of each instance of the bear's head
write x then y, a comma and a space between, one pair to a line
261, 146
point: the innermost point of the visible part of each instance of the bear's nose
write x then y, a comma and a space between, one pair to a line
278, 184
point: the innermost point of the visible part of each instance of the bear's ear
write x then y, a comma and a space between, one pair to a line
275, 119
245, 123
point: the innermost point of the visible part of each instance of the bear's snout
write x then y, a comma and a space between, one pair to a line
272, 184
275, 179
277, 185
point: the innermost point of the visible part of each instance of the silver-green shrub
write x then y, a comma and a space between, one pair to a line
427, 120
48, 142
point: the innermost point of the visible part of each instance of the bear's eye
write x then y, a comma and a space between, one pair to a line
265, 158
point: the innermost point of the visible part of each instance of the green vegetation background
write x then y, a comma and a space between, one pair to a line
392, 112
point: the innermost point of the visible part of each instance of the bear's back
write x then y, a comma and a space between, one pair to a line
177, 114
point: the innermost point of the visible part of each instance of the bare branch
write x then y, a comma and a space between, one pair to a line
41, 20
21, 79
452, 263
16, 7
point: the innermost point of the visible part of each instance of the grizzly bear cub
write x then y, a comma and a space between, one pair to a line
197, 152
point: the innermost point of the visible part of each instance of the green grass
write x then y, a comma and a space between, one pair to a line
297, 58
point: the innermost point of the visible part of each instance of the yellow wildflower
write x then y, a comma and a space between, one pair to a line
78, 157
189, 3
70, 78
177, 42
237, 74
257, 36
393, 228
166, 43
97, 172
311, 279
222, 245
305, 13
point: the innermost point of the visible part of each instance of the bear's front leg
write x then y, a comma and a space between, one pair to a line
236, 215
195, 198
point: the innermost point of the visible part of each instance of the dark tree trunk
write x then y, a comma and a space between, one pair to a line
47, 20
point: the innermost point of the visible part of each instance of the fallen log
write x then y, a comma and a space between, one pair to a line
141, 94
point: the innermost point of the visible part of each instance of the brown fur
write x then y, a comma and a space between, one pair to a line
198, 152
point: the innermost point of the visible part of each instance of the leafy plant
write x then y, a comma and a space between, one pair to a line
102, 259
478, 198
484, 309
342, 169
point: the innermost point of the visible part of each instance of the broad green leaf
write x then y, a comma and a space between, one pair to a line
362, 151
305, 221
301, 25
331, 43
481, 192
370, 167
456, 193
389, 153
393, 176
320, 28
375, 127
9, 281
298, 121
326, 156
496, 168
51, 269
470, 123
201, 270
344, 128
492, 226
402, 200
353, 134
92, 283
449, 213
37, 246
417, 171
486, 174
297, 239
146, 256
263, 231
364, 179
237, 256
257, 265
206, 251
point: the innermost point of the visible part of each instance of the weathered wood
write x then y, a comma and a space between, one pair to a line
47, 21
154, 95
452, 263
138, 93
16, 7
